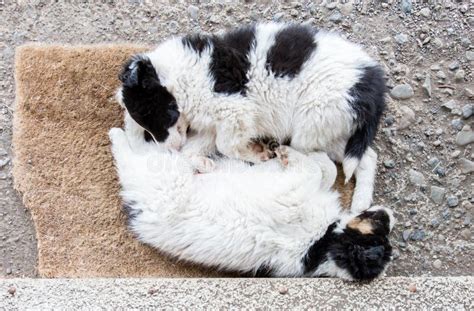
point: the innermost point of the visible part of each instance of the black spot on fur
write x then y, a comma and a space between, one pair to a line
293, 46
368, 104
130, 212
147, 136
263, 272
197, 42
229, 63
364, 256
286, 141
148, 102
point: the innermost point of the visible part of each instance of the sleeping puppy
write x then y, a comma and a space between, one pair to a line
307, 88
279, 218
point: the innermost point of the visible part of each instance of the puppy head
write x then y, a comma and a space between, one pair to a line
361, 246
149, 103
354, 248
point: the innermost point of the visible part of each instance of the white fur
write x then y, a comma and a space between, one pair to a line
312, 108
238, 217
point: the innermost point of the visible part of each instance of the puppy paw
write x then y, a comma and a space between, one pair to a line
202, 164
261, 151
283, 154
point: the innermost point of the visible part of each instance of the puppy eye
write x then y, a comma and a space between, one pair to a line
173, 116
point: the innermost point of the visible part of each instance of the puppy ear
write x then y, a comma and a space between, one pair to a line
139, 72
366, 263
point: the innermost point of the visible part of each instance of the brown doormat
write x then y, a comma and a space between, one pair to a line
63, 166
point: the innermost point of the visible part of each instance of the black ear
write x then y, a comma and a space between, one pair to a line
139, 72
366, 263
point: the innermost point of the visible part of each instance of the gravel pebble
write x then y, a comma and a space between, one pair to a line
173, 27
466, 233
451, 105
465, 42
426, 12
331, 5
193, 12
402, 91
434, 222
438, 42
453, 65
401, 38
466, 166
467, 111
459, 75
457, 124
278, 17
389, 120
418, 235
336, 17
465, 136
470, 55
437, 194
407, 117
433, 162
437, 264
4, 162
441, 75
416, 178
406, 235
12, 290
406, 6
452, 201
427, 85
389, 163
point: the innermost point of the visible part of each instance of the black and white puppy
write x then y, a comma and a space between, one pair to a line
310, 89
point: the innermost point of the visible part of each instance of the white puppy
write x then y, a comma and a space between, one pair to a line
278, 218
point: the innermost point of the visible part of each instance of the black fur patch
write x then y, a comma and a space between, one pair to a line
229, 63
130, 212
317, 253
368, 104
364, 256
263, 272
147, 136
287, 141
197, 42
293, 46
148, 102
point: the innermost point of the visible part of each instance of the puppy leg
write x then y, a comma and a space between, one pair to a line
197, 149
121, 149
365, 179
235, 139
328, 168
298, 162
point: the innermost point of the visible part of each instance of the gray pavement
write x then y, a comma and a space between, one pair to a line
386, 293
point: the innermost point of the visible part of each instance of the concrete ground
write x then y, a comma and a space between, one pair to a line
453, 293
425, 174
